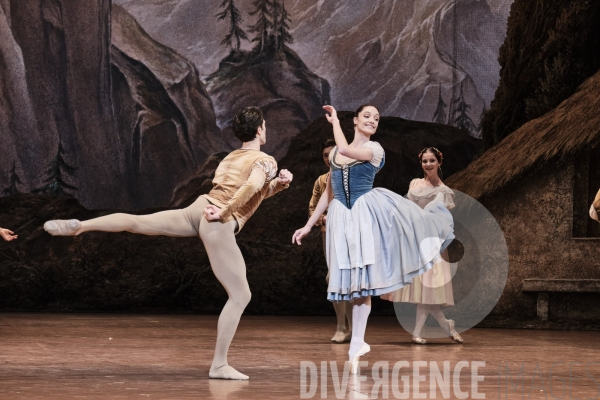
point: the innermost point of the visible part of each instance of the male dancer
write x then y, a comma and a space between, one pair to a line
242, 180
595, 207
343, 309
7, 234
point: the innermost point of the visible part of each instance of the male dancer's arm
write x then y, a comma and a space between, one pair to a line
256, 181
276, 186
314, 200
595, 208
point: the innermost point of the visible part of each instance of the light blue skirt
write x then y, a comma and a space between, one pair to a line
382, 243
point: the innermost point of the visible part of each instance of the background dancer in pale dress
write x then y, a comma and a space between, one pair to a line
377, 241
343, 309
433, 289
242, 180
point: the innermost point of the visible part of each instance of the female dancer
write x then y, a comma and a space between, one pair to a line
7, 234
242, 180
343, 309
377, 241
433, 289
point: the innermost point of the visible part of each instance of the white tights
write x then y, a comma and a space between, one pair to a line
361, 308
223, 252
423, 310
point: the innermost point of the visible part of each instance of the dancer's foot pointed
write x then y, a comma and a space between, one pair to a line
62, 227
354, 359
227, 372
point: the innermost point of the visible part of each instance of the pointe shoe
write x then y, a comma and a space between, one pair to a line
354, 360
452, 332
62, 227
418, 340
339, 337
227, 372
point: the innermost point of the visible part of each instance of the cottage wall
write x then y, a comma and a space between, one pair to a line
536, 216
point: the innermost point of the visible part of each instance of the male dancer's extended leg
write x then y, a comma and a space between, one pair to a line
228, 266
177, 223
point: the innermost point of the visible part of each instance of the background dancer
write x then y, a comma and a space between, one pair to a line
377, 241
595, 207
242, 180
343, 309
433, 289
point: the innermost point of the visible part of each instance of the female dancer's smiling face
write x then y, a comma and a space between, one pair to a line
367, 120
430, 164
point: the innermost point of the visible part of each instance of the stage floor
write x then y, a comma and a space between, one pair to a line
100, 356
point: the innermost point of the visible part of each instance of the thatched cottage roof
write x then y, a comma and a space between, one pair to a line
571, 127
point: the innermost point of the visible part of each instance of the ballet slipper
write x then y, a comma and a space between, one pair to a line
354, 360
227, 372
62, 227
453, 333
418, 340
339, 337
348, 336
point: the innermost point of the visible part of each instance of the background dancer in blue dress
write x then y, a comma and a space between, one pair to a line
377, 241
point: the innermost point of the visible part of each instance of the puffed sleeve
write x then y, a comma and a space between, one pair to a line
378, 153
267, 164
448, 198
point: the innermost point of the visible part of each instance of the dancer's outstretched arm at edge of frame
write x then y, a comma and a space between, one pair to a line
356, 153
319, 210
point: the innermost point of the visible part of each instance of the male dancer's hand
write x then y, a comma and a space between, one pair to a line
285, 177
7, 234
299, 234
212, 213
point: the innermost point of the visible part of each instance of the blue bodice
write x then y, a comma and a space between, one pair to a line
352, 180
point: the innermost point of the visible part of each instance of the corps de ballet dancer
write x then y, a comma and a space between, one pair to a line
595, 207
343, 309
433, 289
377, 241
242, 181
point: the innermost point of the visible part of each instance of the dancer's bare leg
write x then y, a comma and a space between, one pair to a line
348, 314
228, 266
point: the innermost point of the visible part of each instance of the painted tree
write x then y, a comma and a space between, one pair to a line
439, 115
480, 125
263, 23
14, 181
56, 172
233, 15
460, 117
281, 28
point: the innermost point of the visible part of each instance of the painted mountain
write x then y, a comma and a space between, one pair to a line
412, 58
116, 121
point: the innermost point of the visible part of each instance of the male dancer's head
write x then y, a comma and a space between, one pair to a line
249, 126
326, 148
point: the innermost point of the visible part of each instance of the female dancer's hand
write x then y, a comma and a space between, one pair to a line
299, 234
7, 234
332, 116
212, 213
